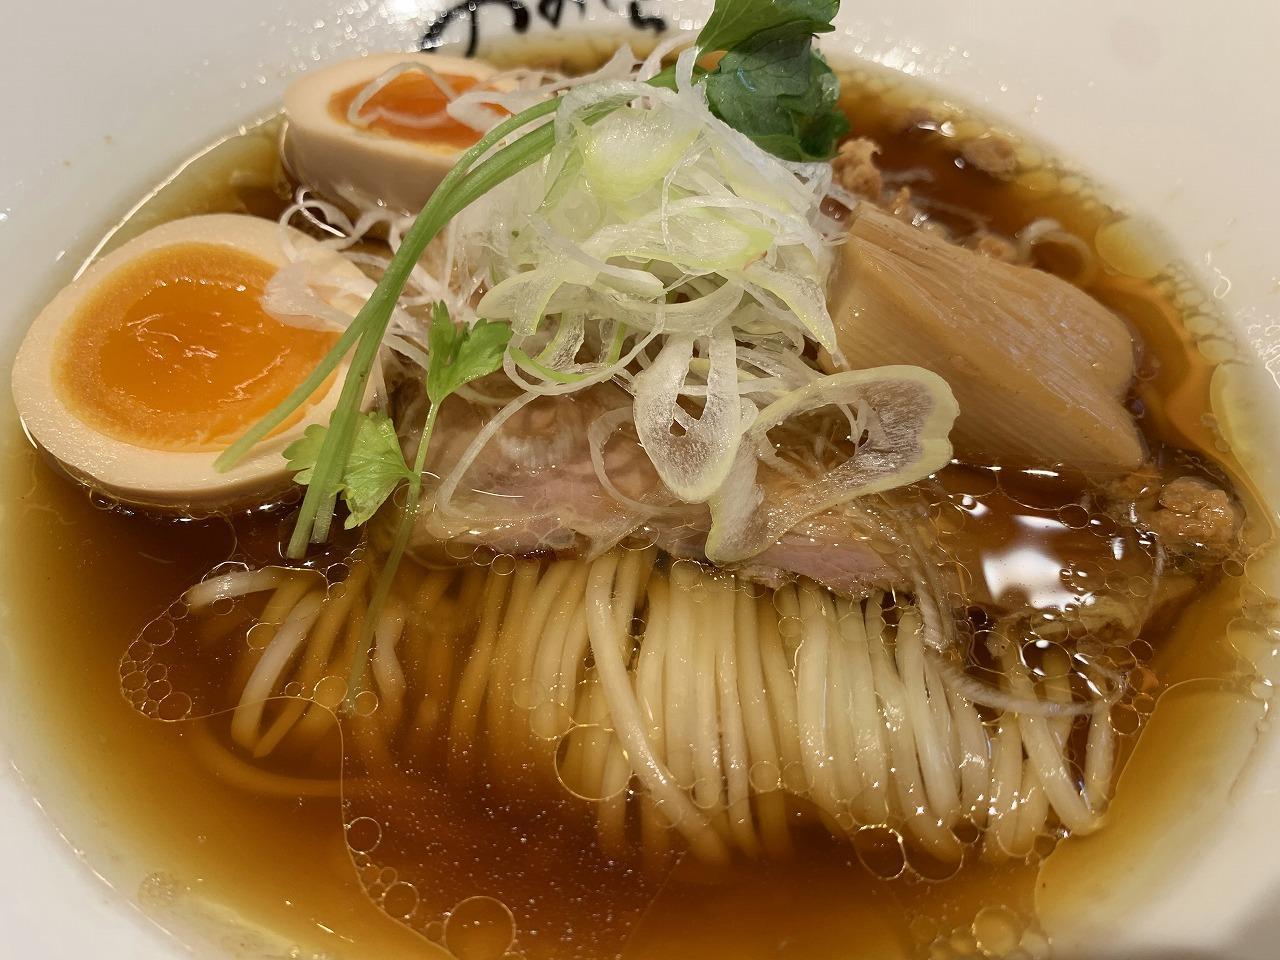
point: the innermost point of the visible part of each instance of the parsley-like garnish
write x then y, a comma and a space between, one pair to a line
461, 354
734, 22
770, 84
374, 468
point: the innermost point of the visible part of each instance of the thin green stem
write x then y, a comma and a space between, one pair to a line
550, 373
415, 242
400, 543
370, 324
615, 344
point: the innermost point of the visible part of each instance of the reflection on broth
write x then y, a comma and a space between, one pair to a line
557, 751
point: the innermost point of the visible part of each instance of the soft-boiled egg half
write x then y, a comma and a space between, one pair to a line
160, 355
377, 129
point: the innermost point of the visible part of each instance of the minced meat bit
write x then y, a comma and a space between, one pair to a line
855, 168
900, 206
994, 246
904, 208
993, 153
1192, 512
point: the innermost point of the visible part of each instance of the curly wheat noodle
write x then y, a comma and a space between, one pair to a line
937, 766
1033, 809
573, 656
975, 764
628, 724
869, 750
319, 718
1006, 782
720, 719
1046, 754
649, 692
1057, 685
236, 772
760, 625
550, 665
678, 677
298, 615
930, 832
247, 716
811, 674
227, 586
287, 588
707, 769
611, 815
499, 690
462, 726
781, 686
374, 723
433, 635
586, 747
762, 740
323, 636
616, 772
843, 756
1049, 231
737, 757
548, 602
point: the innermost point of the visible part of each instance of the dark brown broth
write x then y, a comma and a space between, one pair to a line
91, 577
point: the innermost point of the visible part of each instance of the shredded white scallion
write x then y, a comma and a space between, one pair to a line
654, 247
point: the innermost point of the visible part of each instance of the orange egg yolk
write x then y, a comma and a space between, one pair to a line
173, 351
411, 95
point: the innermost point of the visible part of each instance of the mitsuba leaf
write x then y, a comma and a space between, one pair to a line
376, 465
461, 354
776, 90
732, 22
373, 470
303, 453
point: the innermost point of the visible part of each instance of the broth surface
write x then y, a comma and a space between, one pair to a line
92, 575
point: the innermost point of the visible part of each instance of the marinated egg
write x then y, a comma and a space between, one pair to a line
377, 129
160, 355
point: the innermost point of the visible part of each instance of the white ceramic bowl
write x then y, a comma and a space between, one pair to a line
1168, 105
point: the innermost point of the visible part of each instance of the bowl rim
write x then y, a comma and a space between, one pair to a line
970, 49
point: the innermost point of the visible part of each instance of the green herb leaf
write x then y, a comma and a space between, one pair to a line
461, 354
733, 22
303, 453
782, 95
770, 84
374, 468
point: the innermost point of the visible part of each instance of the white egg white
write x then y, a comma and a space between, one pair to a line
354, 164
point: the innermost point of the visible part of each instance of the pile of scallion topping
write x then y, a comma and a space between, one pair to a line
671, 216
